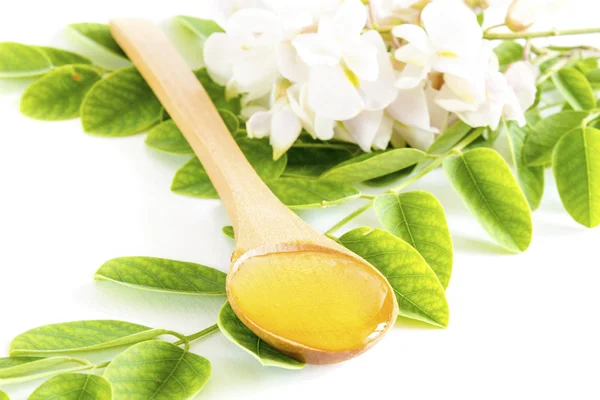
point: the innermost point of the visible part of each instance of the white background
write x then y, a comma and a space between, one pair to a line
522, 326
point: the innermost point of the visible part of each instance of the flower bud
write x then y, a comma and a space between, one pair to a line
478, 5
521, 15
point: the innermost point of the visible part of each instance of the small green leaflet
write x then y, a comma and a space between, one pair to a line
74, 387
419, 293
389, 178
593, 77
576, 167
216, 93
19, 60
3, 396
192, 179
23, 369
530, 178
298, 193
575, 88
586, 65
311, 161
60, 57
157, 370
121, 104
449, 138
202, 28
58, 95
228, 231
168, 138
241, 335
540, 142
419, 219
489, 190
162, 275
509, 52
80, 336
98, 34
373, 165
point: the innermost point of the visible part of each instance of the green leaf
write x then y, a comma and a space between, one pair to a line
77, 336
373, 165
419, 293
575, 88
157, 370
576, 166
216, 93
509, 52
192, 179
23, 369
540, 142
449, 138
3, 396
593, 77
389, 178
58, 95
311, 162
100, 35
234, 330
489, 190
202, 28
121, 104
60, 57
299, 193
228, 231
19, 60
168, 138
161, 275
587, 64
530, 178
418, 218
73, 387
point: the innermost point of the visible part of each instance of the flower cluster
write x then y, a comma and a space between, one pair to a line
331, 70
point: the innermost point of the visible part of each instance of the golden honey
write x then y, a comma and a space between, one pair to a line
323, 300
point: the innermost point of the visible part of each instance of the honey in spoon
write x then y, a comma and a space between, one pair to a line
328, 302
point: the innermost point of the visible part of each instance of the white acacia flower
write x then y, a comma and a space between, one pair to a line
348, 71
448, 43
502, 98
418, 118
254, 51
278, 122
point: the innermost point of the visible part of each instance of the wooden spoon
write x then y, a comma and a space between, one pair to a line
296, 289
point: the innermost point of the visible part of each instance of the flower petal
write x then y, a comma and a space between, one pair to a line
417, 138
413, 34
324, 127
410, 108
256, 72
411, 76
221, 52
295, 94
259, 124
521, 78
285, 129
384, 134
332, 95
256, 27
449, 101
380, 93
364, 127
290, 65
361, 57
410, 54
470, 91
351, 17
313, 49
451, 26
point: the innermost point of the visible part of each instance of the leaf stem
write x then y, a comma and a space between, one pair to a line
367, 196
349, 218
198, 335
531, 35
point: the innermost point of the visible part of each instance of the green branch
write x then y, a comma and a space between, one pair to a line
532, 35
349, 218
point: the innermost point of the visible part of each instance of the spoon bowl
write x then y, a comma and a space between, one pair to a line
296, 289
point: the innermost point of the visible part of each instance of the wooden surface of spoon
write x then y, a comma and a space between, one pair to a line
296, 289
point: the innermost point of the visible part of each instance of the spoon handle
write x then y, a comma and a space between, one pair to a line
256, 214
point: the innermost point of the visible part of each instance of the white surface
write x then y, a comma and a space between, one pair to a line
522, 326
